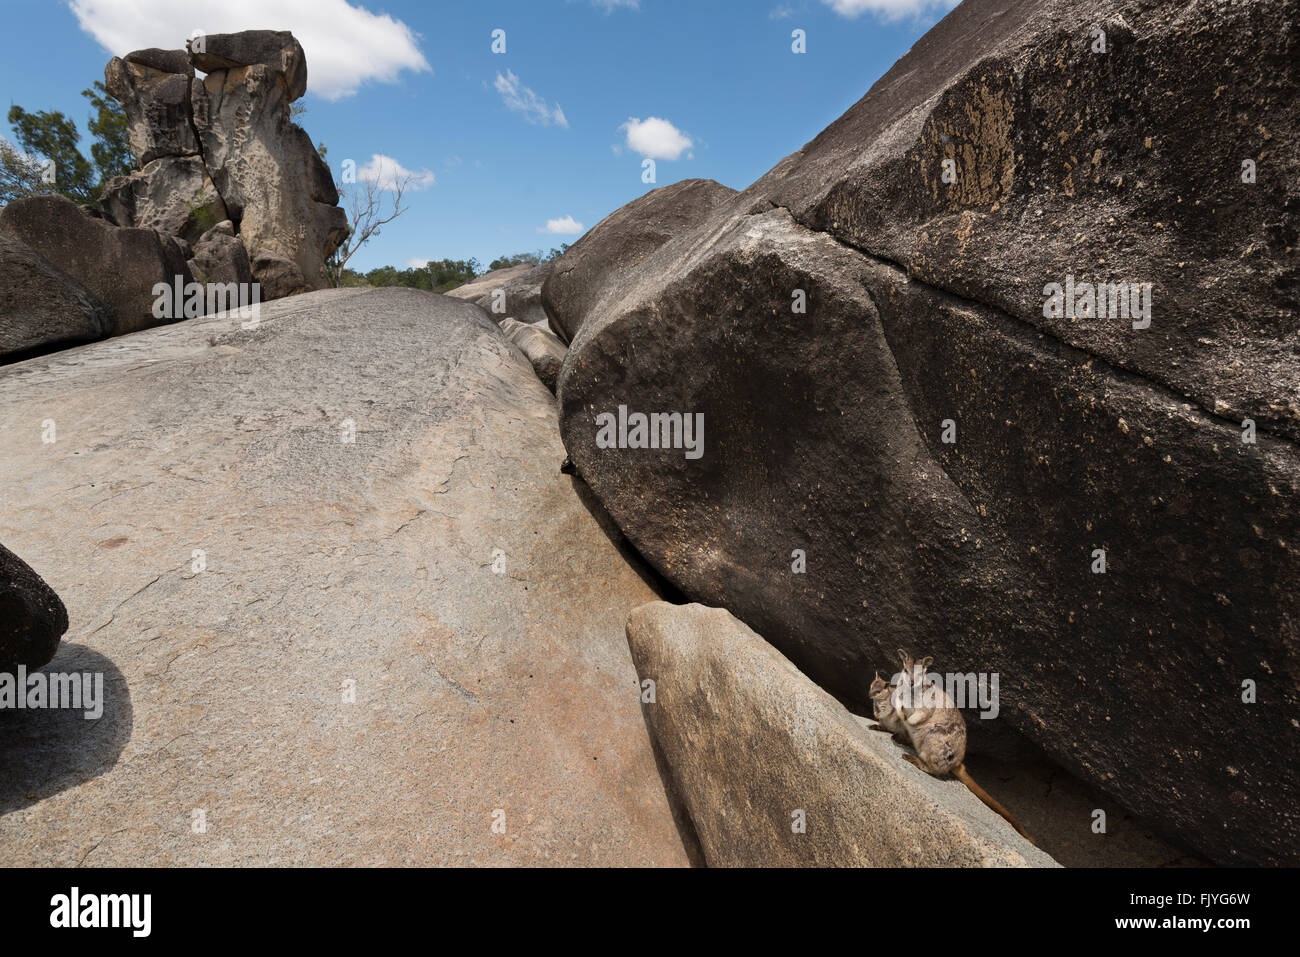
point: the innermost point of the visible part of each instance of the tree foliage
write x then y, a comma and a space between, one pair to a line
46, 157
52, 136
527, 259
111, 150
441, 275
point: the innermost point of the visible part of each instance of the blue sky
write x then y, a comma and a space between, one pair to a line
517, 140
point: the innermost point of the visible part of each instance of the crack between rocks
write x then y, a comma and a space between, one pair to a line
1069, 350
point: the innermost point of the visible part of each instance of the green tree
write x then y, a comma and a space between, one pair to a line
447, 274
350, 278
48, 135
527, 259
111, 150
53, 136
518, 259
439, 275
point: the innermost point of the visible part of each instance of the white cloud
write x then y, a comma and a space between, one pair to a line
521, 99
564, 226
889, 9
611, 5
385, 172
417, 263
346, 45
655, 138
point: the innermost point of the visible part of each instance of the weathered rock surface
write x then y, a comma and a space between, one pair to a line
270, 177
520, 294
155, 95
32, 618
1109, 167
41, 306
119, 267
328, 567
219, 256
924, 315
173, 195
722, 691
542, 349
591, 267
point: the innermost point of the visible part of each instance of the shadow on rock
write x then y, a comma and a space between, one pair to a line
676, 803
661, 586
47, 750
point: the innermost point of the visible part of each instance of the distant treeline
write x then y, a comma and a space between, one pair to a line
443, 275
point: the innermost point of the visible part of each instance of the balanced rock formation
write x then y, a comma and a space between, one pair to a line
265, 167
346, 603
32, 618
815, 788
118, 266
41, 306
591, 267
909, 438
514, 292
543, 350
224, 148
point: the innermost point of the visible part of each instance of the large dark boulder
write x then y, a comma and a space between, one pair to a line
826, 430
32, 618
1108, 167
119, 267
41, 306
621, 241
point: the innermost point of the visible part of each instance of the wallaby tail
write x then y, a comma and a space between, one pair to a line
961, 775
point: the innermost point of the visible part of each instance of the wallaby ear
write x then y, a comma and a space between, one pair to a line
927, 661
903, 656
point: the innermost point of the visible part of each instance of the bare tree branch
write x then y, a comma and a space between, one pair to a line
367, 214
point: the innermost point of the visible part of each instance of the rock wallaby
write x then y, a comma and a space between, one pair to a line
882, 709
918, 711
